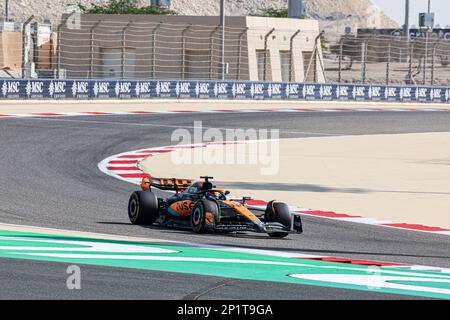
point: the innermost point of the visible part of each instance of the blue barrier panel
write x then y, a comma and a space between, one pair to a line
344, 92
293, 91
189, 89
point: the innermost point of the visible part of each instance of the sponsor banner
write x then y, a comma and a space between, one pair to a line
309, 91
240, 90
259, 90
102, 90
276, 91
293, 91
327, 92
438, 94
185, 89
144, 89
165, 89
377, 92
408, 93
344, 92
81, 89
223, 90
204, 89
188, 89
13, 89
396, 94
361, 92
422, 94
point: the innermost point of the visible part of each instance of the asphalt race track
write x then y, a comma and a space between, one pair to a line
49, 178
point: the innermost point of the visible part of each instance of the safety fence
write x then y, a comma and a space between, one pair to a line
388, 59
179, 89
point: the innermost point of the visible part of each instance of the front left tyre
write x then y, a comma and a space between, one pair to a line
143, 208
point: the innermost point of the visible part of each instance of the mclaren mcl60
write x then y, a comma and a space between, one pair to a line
203, 208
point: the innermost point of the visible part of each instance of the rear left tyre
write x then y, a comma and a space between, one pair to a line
143, 208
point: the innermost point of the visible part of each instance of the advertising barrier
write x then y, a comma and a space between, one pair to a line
177, 89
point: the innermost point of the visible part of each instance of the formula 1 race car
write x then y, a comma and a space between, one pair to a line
203, 208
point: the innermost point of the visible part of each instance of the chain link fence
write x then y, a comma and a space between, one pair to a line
385, 59
155, 50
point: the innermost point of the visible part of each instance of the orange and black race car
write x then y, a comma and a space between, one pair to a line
203, 208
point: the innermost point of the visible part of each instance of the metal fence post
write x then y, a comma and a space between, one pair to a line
122, 66
363, 61
183, 53
91, 50
411, 55
241, 36
265, 52
388, 63
341, 53
154, 49
433, 62
291, 53
211, 51
25, 43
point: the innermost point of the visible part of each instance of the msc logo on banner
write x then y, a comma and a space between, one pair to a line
221, 90
257, 90
11, 89
101, 89
406, 93
143, 89
309, 91
326, 92
123, 89
163, 88
80, 89
202, 89
57, 89
275, 90
35, 89
375, 93
343, 92
293, 91
359, 92
390, 93
436, 94
239, 90
183, 89
421, 94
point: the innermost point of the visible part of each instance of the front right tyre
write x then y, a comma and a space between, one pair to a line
278, 212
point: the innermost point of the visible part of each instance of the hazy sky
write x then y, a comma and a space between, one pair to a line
396, 10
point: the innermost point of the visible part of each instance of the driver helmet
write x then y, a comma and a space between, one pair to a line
214, 195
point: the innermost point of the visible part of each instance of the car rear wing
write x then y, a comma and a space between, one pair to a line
172, 184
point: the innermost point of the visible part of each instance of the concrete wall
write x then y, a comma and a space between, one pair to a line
11, 50
280, 40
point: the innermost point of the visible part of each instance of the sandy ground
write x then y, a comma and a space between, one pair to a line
400, 178
36, 106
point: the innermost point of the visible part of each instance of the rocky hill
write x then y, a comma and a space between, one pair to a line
334, 15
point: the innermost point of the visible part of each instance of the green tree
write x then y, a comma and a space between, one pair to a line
283, 13
123, 7
274, 13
